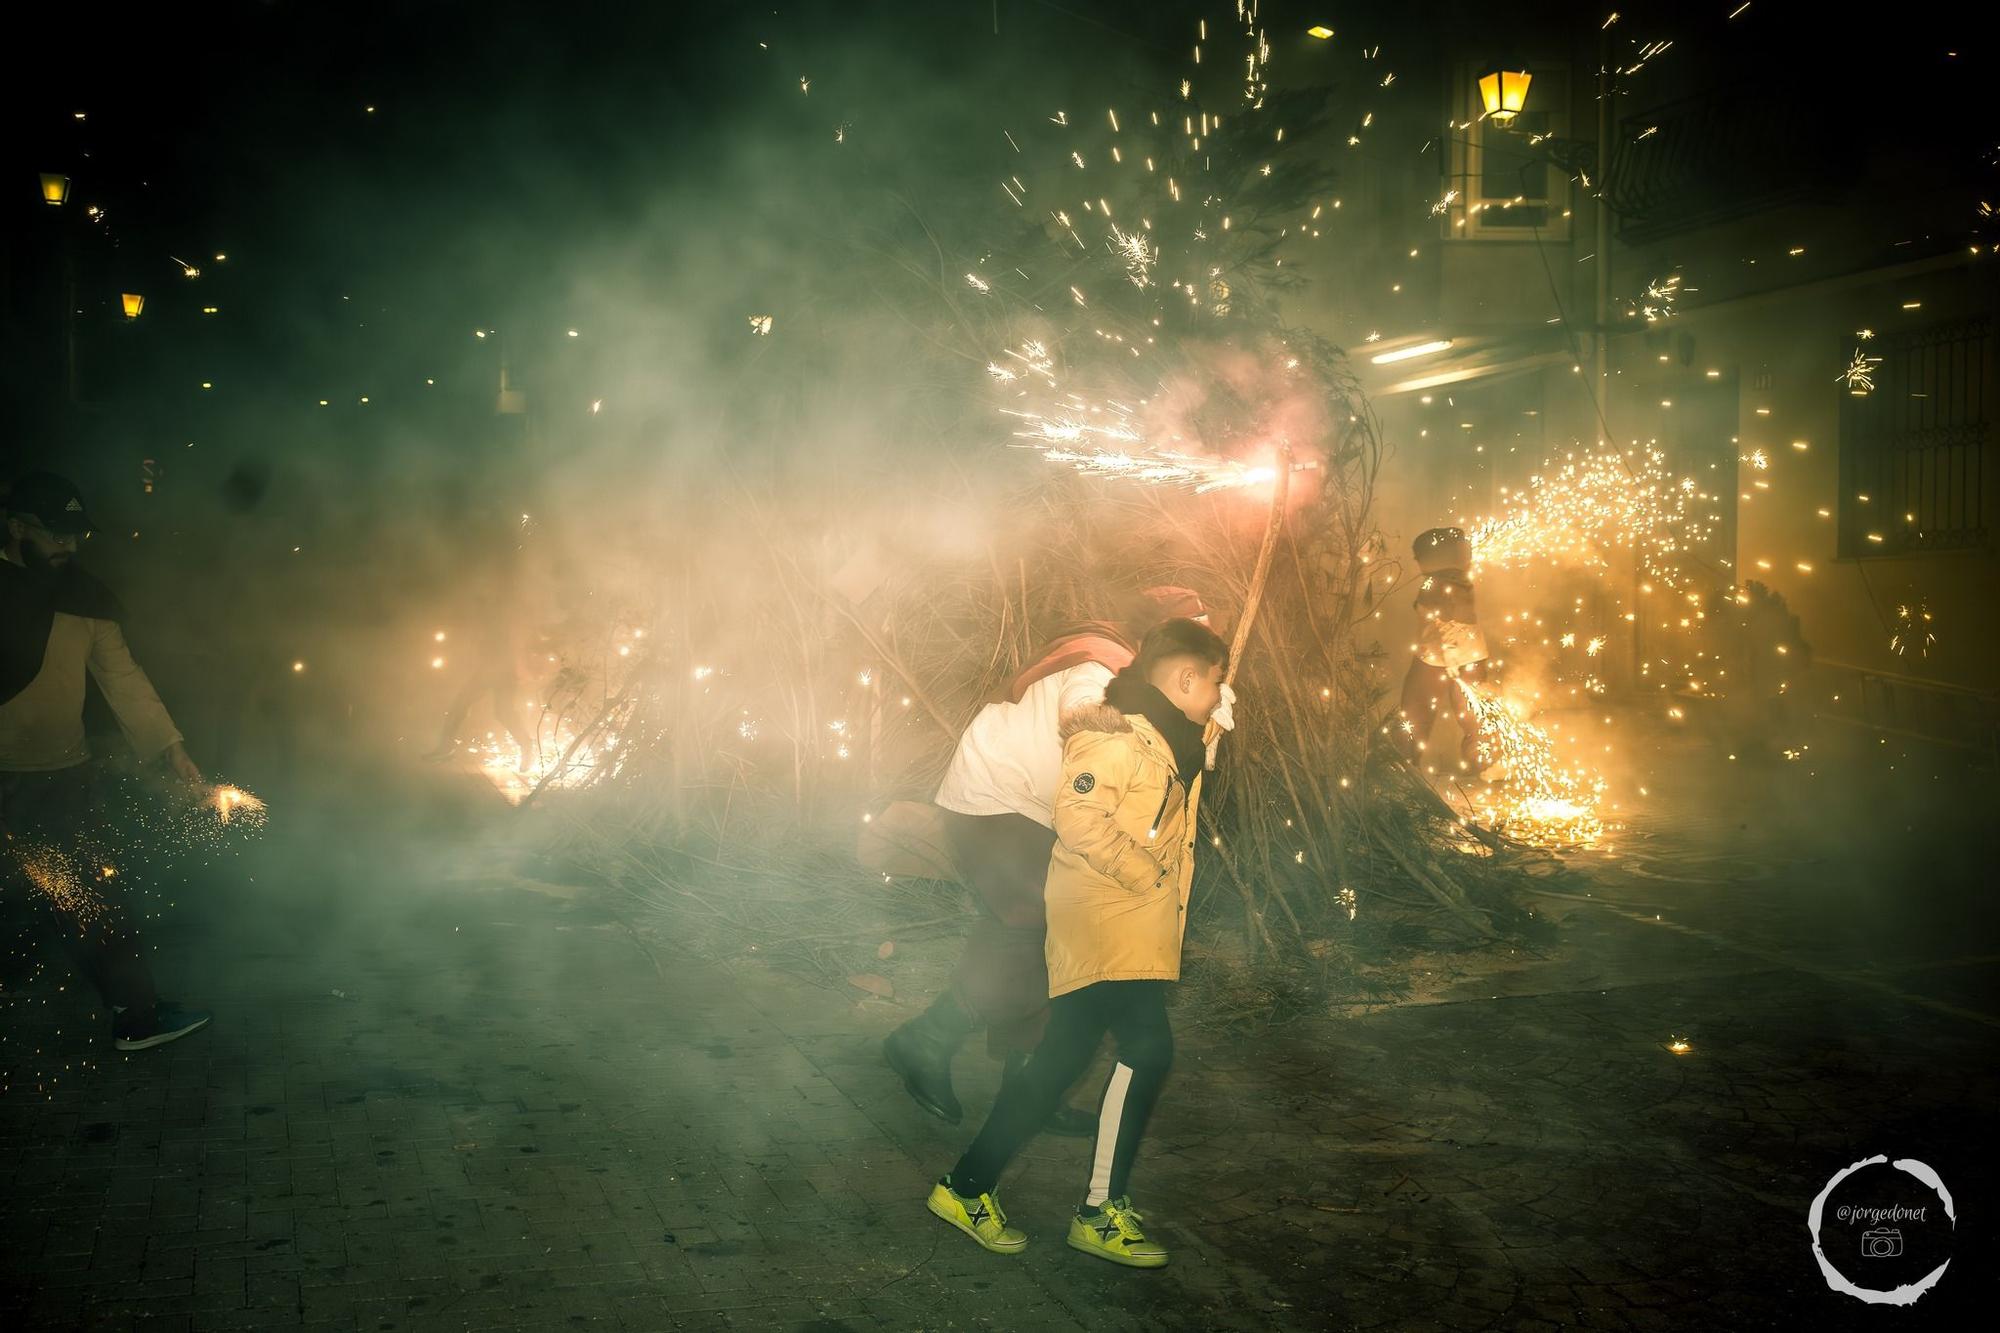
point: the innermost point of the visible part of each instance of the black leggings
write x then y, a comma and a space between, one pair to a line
1135, 1013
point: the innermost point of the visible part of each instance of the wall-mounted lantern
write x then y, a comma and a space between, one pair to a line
1503, 93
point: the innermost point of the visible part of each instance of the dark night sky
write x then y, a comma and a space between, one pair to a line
515, 148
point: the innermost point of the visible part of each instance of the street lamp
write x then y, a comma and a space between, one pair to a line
134, 303
55, 189
1504, 93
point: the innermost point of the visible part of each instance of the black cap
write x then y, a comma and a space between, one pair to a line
52, 501
1435, 537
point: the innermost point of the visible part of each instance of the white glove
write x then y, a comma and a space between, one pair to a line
1224, 718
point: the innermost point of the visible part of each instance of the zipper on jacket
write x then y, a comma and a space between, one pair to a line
1160, 813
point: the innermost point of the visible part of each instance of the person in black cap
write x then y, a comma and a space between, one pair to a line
58, 624
1450, 646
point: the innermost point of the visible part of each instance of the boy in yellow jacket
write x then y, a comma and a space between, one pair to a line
1117, 896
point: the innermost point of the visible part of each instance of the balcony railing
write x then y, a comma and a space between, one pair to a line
1715, 156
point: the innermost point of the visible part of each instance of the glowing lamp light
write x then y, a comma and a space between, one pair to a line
1321, 31
1503, 93
1411, 353
134, 303
55, 189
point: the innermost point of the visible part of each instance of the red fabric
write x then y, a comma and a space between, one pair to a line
1109, 642
1170, 602
1093, 641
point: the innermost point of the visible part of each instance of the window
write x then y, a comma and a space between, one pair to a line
1501, 186
1916, 442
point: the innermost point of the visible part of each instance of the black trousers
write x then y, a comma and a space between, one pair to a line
1135, 1014
1003, 973
52, 831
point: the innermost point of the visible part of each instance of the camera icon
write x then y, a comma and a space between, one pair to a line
1883, 1243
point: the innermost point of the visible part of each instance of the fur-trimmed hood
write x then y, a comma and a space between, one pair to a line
1093, 717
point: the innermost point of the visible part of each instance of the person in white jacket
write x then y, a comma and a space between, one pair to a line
997, 797
57, 626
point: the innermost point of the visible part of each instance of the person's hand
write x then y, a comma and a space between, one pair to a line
181, 766
1221, 720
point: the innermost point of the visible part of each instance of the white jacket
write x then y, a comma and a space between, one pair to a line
1009, 761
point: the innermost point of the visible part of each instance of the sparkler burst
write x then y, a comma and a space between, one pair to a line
235, 804
1136, 253
1657, 301
1912, 630
1859, 377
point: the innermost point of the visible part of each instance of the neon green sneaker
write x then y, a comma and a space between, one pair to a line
1113, 1232
978, 1218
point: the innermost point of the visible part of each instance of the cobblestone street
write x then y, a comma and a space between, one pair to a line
451, 1105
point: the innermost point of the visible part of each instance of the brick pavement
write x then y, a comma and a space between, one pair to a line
430, 1105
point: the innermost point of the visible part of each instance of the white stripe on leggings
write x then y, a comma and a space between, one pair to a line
1108, 1115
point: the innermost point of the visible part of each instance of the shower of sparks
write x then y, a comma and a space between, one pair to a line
1535, 798
1084, 425
1034, 355
1592, 504
977, 283
760, 324
1444, 203
1859, 377
61, 879
1912, 630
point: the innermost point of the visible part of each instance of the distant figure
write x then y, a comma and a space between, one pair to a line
998, 798
1450, 645
1767, 653
57, 623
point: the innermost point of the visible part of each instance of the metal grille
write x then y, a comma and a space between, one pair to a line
1916, 451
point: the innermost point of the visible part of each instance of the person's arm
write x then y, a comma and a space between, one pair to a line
141, 715
1097, 768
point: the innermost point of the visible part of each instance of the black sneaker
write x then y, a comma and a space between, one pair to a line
170, 1022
